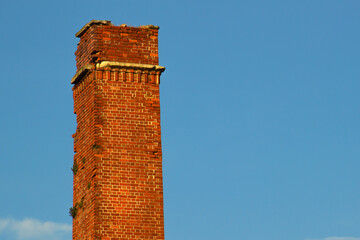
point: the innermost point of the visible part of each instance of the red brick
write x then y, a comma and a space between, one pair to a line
118, 186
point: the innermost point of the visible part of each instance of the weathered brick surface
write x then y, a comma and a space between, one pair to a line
118, 189
121, 44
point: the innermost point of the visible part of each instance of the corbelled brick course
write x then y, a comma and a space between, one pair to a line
118, 190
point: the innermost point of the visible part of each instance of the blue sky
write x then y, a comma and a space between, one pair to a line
259, 106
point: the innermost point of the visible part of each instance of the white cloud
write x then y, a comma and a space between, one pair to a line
33, 229
335, 238
3, 224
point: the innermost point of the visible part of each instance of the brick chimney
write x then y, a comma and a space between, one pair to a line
118, 189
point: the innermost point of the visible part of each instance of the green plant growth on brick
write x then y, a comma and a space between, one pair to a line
81, 203
75, 168
83, 160
95, 146
73, 211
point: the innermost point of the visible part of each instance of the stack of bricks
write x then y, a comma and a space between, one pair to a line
118, 190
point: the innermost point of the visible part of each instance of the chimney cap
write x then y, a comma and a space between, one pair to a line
89, 24
150, 26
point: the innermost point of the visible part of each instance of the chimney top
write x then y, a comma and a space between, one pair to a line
106, 22
89, 24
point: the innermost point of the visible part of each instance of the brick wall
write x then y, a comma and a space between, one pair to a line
118, 193
103, 41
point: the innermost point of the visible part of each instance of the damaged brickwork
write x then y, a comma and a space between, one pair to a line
118, 189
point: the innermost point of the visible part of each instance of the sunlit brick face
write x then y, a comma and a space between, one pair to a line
118, 189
